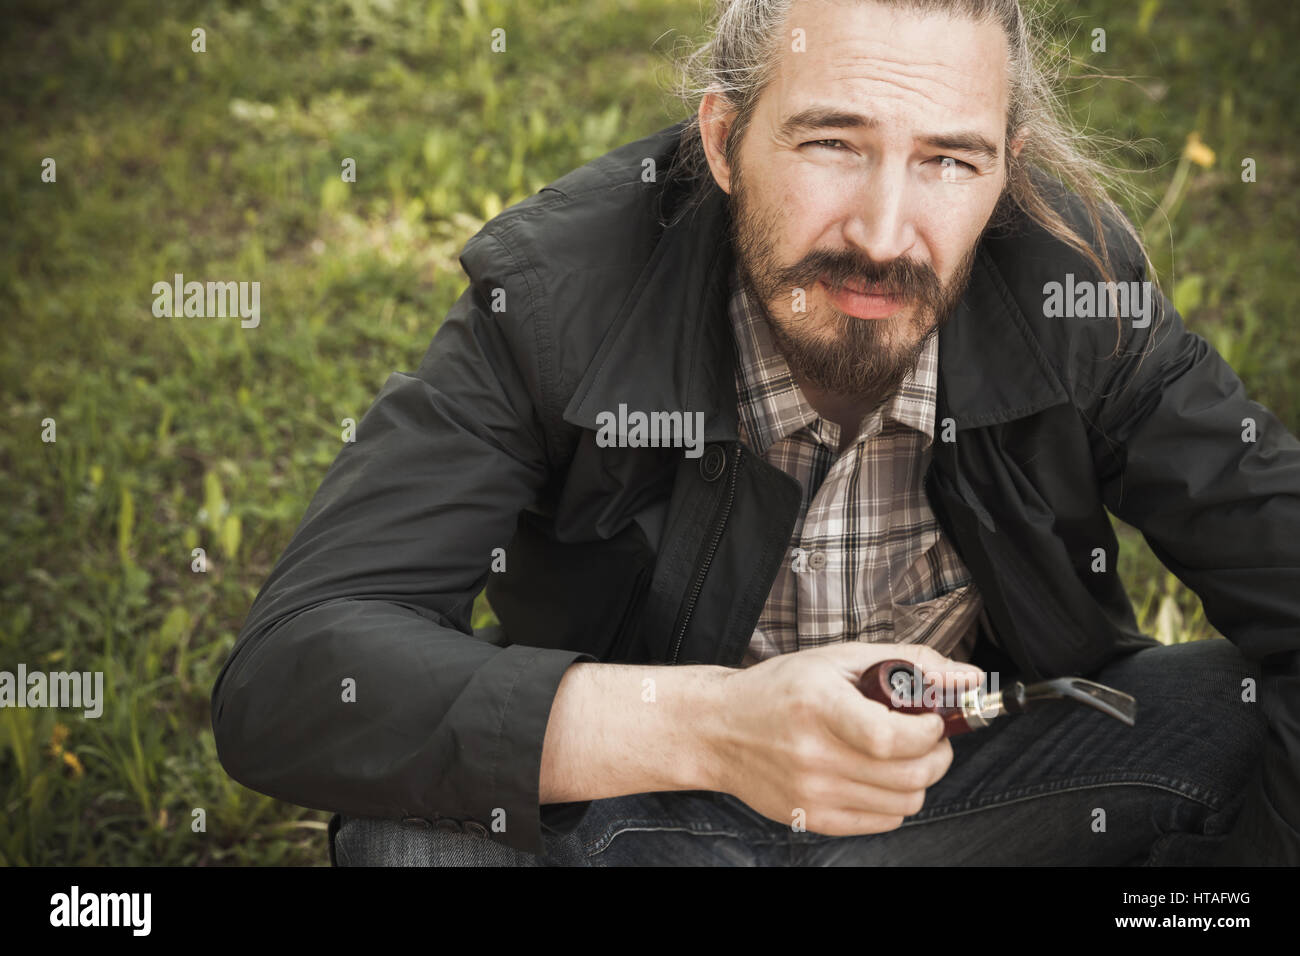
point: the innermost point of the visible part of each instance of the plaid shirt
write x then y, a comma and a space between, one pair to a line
868, 560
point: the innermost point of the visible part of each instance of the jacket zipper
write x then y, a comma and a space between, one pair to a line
698, 585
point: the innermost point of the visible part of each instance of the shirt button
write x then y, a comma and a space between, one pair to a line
448, 825
476, 828
416, 823
817, 560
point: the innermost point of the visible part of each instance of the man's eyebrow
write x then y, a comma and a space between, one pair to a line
820, 117
962, 143
815, 118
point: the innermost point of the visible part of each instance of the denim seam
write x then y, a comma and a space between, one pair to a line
650, 826
1154, 781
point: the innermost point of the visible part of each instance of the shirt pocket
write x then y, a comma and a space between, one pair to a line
946, 623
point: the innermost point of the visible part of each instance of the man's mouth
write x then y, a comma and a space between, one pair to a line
864, 301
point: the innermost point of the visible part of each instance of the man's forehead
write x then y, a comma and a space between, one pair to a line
880, 61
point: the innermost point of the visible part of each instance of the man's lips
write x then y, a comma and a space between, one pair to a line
861, 303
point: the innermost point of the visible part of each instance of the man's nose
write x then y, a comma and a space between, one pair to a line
880, 221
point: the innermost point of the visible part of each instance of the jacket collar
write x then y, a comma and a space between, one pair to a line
670, 346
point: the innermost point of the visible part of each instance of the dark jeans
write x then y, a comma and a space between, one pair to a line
1062, 785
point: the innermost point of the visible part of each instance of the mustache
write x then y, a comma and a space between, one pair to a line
905, 278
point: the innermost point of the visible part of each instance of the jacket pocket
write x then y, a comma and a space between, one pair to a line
577, 595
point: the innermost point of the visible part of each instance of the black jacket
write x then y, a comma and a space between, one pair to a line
646, 555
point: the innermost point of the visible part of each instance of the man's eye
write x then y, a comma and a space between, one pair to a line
824, 142
951, 166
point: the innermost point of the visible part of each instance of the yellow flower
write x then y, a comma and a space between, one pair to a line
58, 737
1198, 152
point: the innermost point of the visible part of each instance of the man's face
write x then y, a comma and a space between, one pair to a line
872, 162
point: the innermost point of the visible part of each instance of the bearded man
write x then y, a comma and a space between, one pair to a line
842, 261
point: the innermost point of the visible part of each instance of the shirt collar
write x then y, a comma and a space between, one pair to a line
772, 406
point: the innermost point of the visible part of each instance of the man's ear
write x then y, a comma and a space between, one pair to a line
1017, 142
716, 119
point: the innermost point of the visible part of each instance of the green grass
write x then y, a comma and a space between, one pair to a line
174, 434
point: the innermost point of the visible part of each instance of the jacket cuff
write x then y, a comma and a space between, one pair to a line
517, 770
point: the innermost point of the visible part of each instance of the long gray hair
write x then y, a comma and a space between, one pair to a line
744, 48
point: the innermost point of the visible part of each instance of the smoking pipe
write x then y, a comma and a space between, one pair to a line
899, 685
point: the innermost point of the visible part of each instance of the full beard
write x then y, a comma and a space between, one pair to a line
866, 359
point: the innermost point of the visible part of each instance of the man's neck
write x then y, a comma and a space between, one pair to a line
846, 411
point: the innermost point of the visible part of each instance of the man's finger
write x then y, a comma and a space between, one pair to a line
872, 728
900, 773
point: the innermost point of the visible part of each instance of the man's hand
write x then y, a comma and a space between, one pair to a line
798, 734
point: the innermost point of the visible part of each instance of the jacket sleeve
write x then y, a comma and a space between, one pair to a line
375, 590
1212, 480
